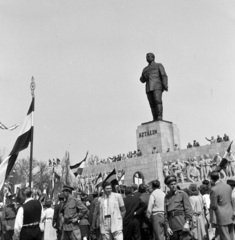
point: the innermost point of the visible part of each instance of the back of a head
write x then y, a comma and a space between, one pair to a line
142, 188
134, 187
156, 184
27, 192
128, 191
206, 182
214, 176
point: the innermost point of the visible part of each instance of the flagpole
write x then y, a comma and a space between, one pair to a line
32, 87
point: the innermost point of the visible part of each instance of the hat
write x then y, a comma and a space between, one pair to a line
169, 179
61, 196
67, 188
231, 182
11, 195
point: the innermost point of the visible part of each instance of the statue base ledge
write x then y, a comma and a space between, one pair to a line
156, 121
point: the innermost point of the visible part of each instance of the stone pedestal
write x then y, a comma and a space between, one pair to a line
159, 134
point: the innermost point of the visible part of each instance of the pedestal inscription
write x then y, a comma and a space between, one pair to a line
161, 135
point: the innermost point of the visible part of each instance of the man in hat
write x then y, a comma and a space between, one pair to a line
8, 217
72, 211
57, 221
178, 210
28, 218
156, 80
221, 203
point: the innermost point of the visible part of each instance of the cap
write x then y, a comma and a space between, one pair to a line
169, 179
67, 188
231, 182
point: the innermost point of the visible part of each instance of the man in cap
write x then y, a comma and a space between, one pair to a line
156, 80
72, 211
57, 223
28, 218
221, 203
178, 210
8, 217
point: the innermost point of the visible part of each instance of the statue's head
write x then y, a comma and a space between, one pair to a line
150, 57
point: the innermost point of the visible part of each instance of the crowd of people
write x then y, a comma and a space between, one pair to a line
143, 212
92, 161
212, 140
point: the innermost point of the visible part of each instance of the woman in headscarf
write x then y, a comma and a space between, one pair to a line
49, 231
199, 223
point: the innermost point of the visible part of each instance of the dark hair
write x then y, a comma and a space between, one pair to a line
128, 191
142, 188
156, 184
214, 176
106, 184
27, 192
134, 187
206, 182
95, 194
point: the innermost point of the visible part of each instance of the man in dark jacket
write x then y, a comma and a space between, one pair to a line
134, 208
57, 221
145, 224
156, 80
221, 203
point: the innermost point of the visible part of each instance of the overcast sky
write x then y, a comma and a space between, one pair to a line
87, 57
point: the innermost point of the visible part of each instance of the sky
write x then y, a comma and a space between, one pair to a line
87, 58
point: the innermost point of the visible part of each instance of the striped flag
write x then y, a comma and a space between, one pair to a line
224, 161
112, 178
98, 181
21, 143
78, 168
2, 126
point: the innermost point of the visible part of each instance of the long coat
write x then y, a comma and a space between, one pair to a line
221, 203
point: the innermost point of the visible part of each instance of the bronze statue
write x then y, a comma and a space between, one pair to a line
156, 80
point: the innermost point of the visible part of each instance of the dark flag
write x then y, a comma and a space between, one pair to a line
98, 181
57, 161
224, 161
78, 168
21, 143
56, 176
49, 163
112, 178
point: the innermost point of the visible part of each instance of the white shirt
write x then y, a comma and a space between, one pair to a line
156, 202
20, 217
106, 205
233, 201
207, 200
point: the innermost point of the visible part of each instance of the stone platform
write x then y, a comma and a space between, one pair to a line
162, 135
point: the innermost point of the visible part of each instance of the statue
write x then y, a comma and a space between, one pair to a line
156, 80
178, 170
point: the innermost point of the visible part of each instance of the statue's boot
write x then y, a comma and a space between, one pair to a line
154, 113
159, 111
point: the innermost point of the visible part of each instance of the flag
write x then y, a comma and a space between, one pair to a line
112, 178
98, 181
78, 168
54, 163
49, 163
57, 161
21, 143
57, 177
224, 161
2, 126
